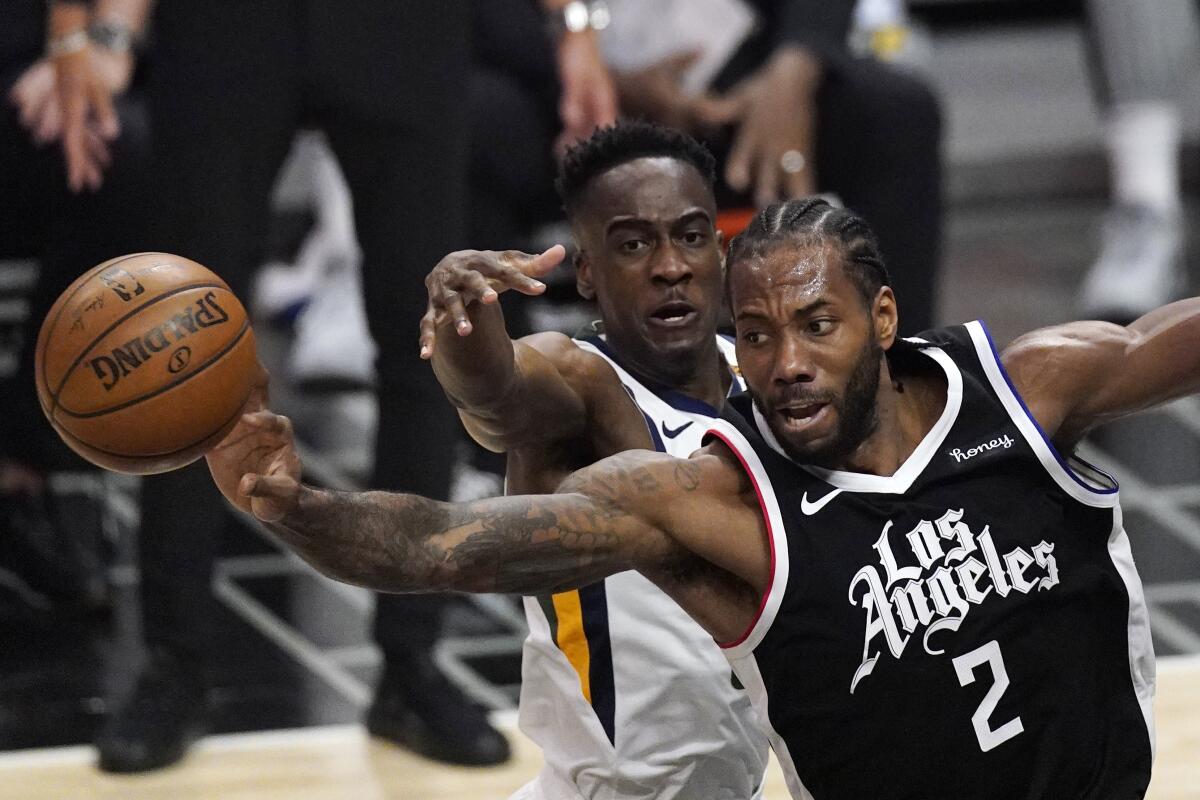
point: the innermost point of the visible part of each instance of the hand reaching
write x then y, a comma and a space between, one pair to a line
470, 276
588, 97
256, 466
88, 80
35, 97
775, 115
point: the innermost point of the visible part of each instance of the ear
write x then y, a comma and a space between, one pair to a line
583, 276
885, 316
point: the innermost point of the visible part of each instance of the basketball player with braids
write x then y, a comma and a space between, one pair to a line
626, 695
924, 591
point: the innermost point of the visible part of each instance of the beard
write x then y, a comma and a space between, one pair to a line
855, 409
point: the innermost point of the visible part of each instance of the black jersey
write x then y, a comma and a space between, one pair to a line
969, 627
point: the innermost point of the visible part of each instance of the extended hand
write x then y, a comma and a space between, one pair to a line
470, 276
775, 113
36, 101
656, 91
588, 97
256, 466
87, 82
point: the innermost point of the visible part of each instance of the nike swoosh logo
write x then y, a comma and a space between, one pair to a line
671, 433
811, 508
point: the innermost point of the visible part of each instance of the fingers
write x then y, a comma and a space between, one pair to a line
271, 496
107, 123
428, 333
274, 486
679, 63
457, 311
268, 422
49, 125
737, 167
525, 268
715, 111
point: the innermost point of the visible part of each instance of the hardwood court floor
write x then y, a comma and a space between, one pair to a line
341, 763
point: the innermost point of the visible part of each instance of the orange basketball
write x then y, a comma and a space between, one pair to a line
145, 362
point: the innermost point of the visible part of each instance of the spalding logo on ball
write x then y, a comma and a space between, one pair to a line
145, 362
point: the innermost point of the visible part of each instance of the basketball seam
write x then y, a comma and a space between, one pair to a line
66, 375
182, 379
83, 282
148, 456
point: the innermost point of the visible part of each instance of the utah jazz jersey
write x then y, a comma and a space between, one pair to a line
971, 626
625, 694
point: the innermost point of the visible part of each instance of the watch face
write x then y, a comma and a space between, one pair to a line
111, 36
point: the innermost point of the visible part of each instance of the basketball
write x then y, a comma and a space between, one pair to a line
144, 363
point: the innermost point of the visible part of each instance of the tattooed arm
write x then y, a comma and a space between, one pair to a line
636, 510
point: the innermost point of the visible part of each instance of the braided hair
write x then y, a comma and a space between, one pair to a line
811, 221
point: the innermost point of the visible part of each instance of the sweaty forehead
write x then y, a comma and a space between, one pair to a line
803, 268
655, 188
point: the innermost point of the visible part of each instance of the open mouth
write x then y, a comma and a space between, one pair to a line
802, 416
674, 314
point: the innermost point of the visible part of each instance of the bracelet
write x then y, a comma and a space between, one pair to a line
115, 36
579, 16
68, 43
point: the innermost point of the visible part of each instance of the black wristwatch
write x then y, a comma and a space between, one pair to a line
114, 36
578, 16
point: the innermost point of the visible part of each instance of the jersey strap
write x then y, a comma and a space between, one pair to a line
1068, 479
776, 538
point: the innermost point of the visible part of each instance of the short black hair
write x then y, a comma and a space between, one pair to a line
815, 220
625, 141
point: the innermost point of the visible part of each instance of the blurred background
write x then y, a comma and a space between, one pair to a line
1036, 161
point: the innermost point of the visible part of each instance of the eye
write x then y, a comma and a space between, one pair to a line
632, 246
695, 238
820, 327
753, 337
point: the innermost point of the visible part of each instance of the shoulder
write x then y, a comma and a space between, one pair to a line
1060, 354
572, 361
1055, 369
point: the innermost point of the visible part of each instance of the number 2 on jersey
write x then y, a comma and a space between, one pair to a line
964, 666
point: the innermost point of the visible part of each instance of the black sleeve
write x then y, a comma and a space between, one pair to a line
822, 26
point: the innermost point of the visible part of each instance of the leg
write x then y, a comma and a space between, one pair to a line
408, 177
879, 149
216, 155
1139, 53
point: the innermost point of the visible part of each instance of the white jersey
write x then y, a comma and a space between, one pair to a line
626, 695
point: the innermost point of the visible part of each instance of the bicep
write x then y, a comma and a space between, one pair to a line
697, 507
1077, 376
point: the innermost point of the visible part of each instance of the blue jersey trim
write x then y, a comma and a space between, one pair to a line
676, 400
1049, 444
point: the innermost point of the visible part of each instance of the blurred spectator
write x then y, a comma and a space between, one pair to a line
1142, 52
65, 230
772, 88
385, 81
774, 91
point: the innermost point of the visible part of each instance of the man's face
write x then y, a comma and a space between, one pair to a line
810, 350
652, 259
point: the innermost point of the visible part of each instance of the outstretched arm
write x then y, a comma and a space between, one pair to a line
1077, 376
637, 510
511, 394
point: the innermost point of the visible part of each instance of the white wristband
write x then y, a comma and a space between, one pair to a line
68, 43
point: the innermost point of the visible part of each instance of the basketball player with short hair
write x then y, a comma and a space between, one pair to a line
625, 694
925, 594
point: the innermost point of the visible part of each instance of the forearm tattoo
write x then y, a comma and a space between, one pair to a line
543, 543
